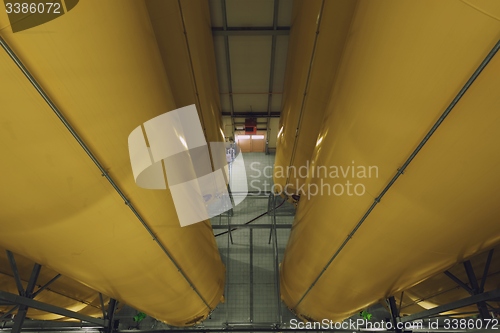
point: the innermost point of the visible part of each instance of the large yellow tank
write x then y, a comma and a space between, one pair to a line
311, 70
403, 64
187, 51
101, 65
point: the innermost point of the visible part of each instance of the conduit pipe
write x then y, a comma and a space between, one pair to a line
198, 102
217, 127
306, 88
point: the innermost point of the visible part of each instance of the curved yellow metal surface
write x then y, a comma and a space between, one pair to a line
311, 70
187, 51
178, 57
64, 292
403, 64
101, 65
440, 289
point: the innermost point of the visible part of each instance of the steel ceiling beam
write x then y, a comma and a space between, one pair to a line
54, 326
6, 314
483, 309
23, 309
19, 319
103, 309
252, 226
252, 93
453, 305
33, 295
228, 61
486, 270
32, 281
271, 71
274, 232
15, 271
394, 313
111, 314
251, 115
251, 31
459, 282
21, 300
251, 305
22, 312
248, 329
258, 123
45, 286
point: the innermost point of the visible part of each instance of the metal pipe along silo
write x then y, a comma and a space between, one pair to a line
312, 65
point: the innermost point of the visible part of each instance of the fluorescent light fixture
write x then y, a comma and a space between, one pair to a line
257, 137
243, 137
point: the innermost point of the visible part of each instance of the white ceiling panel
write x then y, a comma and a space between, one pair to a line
276, 103
250, 63
254, 13
285, 13
247, 103
216, 12
250, 55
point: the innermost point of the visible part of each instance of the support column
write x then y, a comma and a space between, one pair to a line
251, 273
483, 309
111, 315
276, 261
23, 309
394, 313
15, 271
